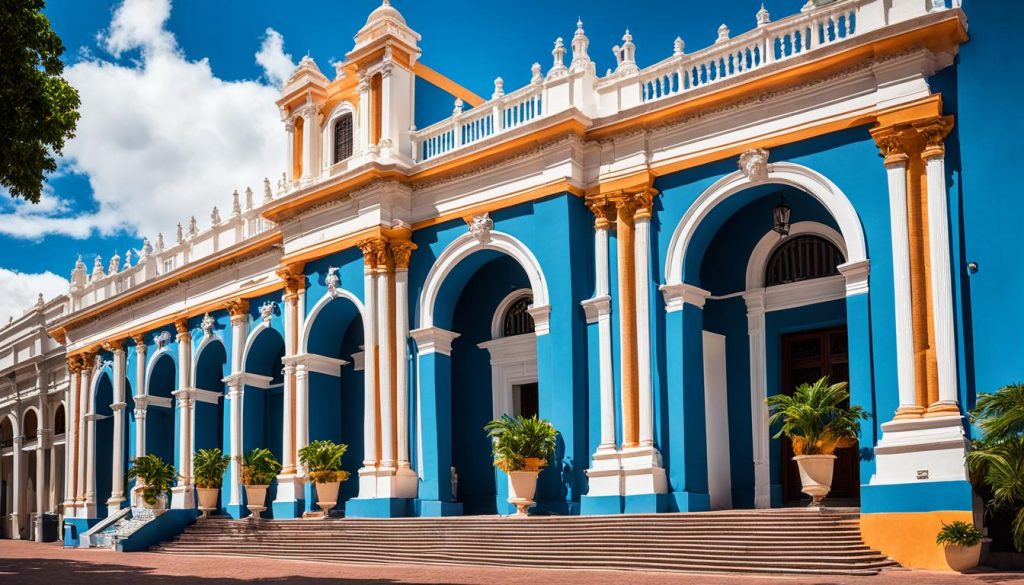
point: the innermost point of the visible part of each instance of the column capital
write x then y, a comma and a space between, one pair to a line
238, 309
74, 364
294, 279
140, 343
402, 253
603, 210
114, 345
634, 203
892, 144
181, 327
375, 252
934, 132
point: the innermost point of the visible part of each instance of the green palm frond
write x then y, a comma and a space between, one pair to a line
1001, 414
515, 438
155, 476
209, 466
259, 467
997, 459
322, 459
814, 417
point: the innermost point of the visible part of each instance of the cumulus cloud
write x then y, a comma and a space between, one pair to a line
20, 290
160, 138
277, 65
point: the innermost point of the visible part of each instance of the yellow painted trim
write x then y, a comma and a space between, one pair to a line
909, 537
446, 84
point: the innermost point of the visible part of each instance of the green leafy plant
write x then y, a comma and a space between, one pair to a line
815, 419
323, 461
516, 439
155, 477
259, 467
959, 533
208, 467
998, 459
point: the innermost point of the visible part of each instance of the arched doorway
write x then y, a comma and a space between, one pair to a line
263, 399
771, 311
459, 390
210, 370
333, 342
160, 415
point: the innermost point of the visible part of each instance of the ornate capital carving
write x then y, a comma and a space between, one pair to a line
74, 364
294, 281
114, 345
402, 253
140, 344
934, 132
181, 327
633, 203
603, 210
375, 252
237, 309
892, 143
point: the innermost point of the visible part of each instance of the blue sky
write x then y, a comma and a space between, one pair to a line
178, 105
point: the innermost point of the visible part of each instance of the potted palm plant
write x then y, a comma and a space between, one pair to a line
323, 465
259, 468
154, 480
522, 447
817, 423
997, 459
208, 467
962, 542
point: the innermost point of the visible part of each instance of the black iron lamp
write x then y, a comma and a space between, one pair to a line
780, 217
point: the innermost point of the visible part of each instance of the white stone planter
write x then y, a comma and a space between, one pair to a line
963, 558
816, 475
522, 487
256, 499
327, 495
207, 500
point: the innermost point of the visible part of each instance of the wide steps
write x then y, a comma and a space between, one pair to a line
783, 541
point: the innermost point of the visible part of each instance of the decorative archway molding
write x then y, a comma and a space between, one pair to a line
327, 134
497, 321
471, 242
758, 262
783, 173
331, 295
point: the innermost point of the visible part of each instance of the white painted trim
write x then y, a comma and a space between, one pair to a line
249, 379
678, 294
358, 361
941, 281
433, 340
513, 362
253, 334
716, 421
158, 401
596, 307
896, 172
317, 363
770, 241
803, 293
467, 244
327, 142
201, 395
499, 314
151, 364
207, 340
784, 173
856, 275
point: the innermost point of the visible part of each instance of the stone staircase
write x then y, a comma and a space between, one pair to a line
742, 541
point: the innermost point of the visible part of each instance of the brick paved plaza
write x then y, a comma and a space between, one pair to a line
41, 564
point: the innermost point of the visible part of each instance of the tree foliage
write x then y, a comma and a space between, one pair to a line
38, 108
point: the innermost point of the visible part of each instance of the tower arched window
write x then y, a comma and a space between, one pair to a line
517, 319
343, 137
803, 258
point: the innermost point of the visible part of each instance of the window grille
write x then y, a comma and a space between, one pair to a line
517, 319
343, 138
803, 258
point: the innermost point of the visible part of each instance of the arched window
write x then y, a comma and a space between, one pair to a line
342, 138
803, 258
59, 425
517, 319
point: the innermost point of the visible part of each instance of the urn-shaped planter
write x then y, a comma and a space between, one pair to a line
327, 495
207, 499
522, 487
256, 499
815, 475
963, 558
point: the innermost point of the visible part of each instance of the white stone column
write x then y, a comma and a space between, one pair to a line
387, 411
896, 171
942, 283
642, 264
140, 394
70, 437
386, 109
90, 450
367, 475
301, 408
18, 475
239, 325
758, 394
84, 392
117, 466
288, 397
309, 137
406, 481
181, 494
42, 435
289, 127
363, 87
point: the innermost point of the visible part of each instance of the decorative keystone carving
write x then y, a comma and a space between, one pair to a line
267, 310
207, 325
160, 340
480, 226
754, 164
332, 280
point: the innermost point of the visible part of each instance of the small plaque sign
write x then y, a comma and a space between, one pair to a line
922, 474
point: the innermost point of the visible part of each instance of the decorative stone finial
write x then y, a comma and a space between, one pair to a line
97, 267
580, 43
480, 226
248, 198
115, 263
128, 259
763, 17
754, 164
193, 227
458, 107
147, 248
159, 243
180, 233
536, 77
723, 34
499, 88
678, 46
558, 67
215, 216
267, 193
625, 56
207, 325
40, 301
236, 206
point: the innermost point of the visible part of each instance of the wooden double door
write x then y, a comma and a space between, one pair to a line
806, 357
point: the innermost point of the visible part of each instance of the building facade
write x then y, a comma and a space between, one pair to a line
640, 257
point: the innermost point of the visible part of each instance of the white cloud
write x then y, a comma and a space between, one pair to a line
19, 291
160, 138
277, 65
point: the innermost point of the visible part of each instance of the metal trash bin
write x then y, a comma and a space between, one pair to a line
51, 530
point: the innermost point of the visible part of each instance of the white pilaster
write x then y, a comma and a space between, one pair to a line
896, 170
239, 325
367, 474
406, 481
642, 265
758, 394
181, 494
387, 411
84, 393
18, 475
942, 288
71, 438
309, 138
117, 469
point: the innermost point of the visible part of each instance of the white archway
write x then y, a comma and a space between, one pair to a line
157, 355
783, 173
758, 262
338, 293
467, 244
207, 340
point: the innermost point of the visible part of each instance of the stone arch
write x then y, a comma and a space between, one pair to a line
768, 243
320, 306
